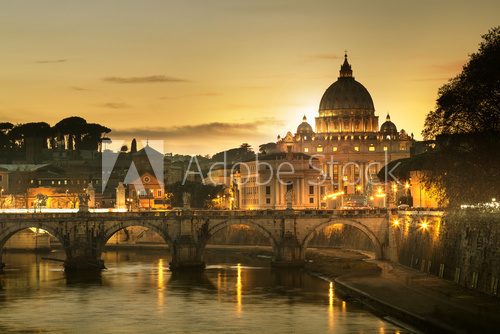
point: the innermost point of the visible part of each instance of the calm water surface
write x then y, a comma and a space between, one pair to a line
138, 294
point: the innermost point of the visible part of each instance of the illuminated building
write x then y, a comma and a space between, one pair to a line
347, 138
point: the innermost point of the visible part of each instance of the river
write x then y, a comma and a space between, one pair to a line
138, 294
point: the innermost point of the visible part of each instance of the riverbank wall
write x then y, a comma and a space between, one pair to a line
462, 246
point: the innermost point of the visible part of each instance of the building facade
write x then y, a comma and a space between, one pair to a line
347, 139
267, 182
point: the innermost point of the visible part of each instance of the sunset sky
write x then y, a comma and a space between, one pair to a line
209, 75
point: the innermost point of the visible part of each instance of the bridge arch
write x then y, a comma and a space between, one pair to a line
11, 229
377, 245
8, 231
230, 222
115, 227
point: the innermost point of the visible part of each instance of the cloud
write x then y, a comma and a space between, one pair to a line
115, 105
246, 106
208, 94
444, 71
324, 56
199, 131
79, 88
145, 79
451, 67
51, 61
432, 79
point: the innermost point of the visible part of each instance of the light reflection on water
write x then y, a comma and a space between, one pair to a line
139, 294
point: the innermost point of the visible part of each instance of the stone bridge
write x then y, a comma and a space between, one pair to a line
84, 235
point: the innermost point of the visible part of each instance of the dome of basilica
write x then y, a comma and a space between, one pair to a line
346, 96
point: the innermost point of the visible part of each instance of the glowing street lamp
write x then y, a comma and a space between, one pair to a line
424, 225
407, 185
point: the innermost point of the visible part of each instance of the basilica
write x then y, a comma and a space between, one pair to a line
347, 138
333, 165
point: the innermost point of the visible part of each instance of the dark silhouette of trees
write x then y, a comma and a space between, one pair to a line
75, 131
92, 136
21, 133
71, 129
79, 134
464, 166
470, 102
242, 153
200, 194
5, 128
268, 148
133, 146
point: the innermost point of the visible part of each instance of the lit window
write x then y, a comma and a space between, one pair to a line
371, 149
306, 150
335, 149
385, 148
356, 148
319, 149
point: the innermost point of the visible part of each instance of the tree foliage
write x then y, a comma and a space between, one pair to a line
200, 193
239, 154
470, 102
464, 166
74, 130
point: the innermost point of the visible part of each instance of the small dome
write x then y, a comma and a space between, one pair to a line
304, 127
388, 127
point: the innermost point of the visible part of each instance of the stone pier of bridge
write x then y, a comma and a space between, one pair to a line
84, 235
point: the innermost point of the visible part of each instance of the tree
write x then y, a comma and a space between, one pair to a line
200, 193
20, 133
133, 146
268, 148
93, 136
464, 166
242, 153
4, 134
73, 127
470, 102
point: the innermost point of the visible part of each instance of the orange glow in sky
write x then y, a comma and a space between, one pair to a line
210, 75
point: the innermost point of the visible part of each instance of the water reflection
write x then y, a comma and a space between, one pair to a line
139, 294
238, 290
161, 282
82, 279
331, 298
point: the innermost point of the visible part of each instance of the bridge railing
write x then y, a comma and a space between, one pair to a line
198, 213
